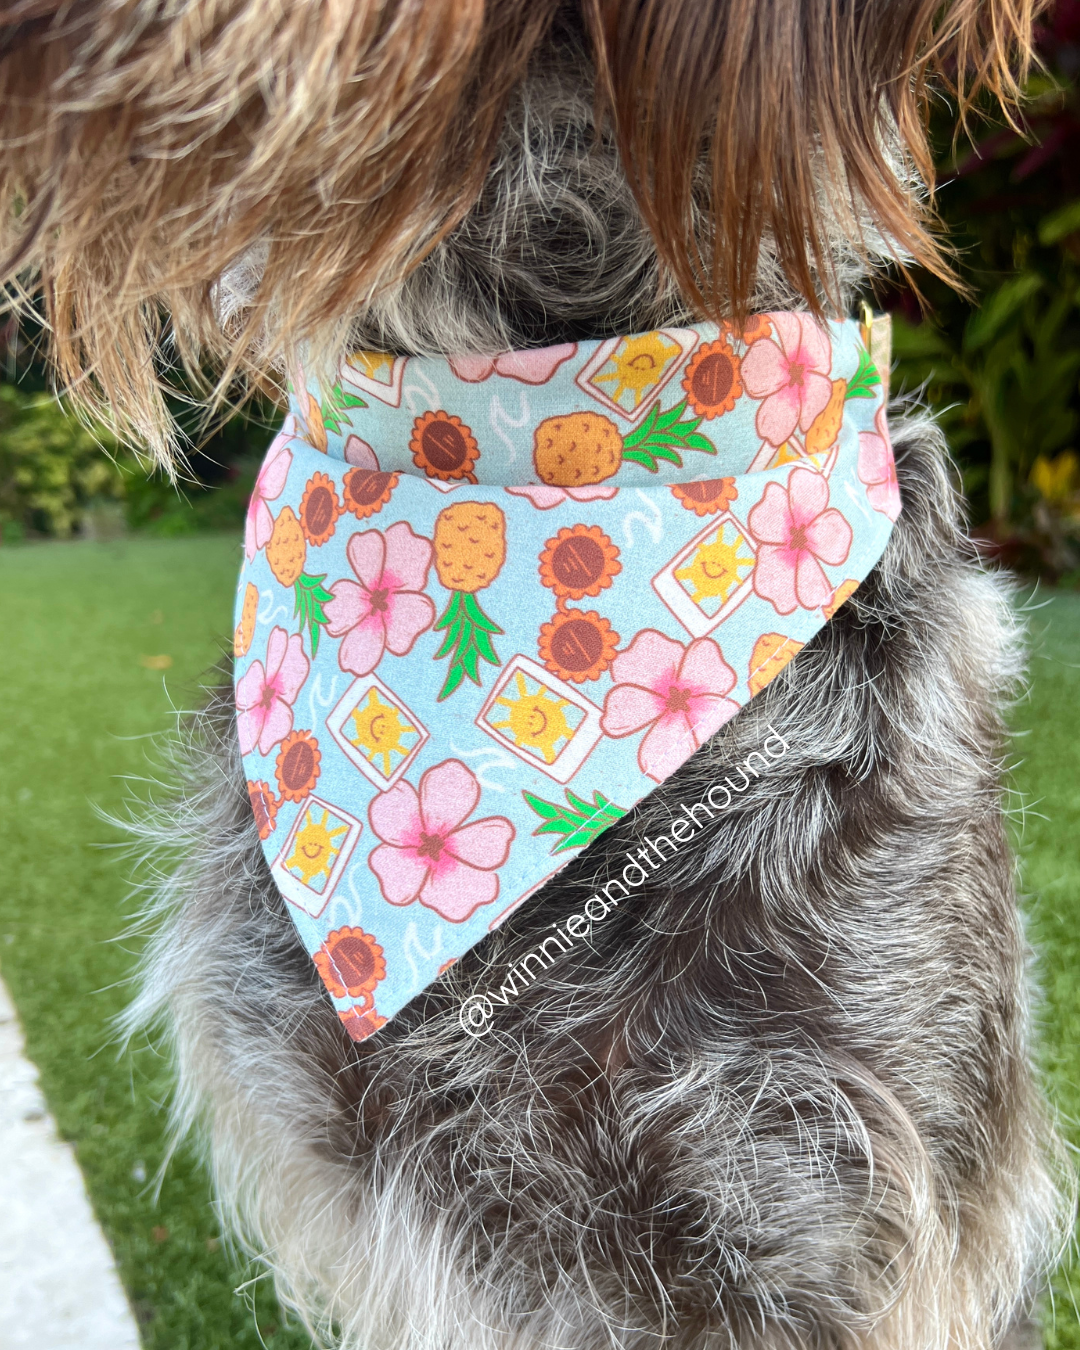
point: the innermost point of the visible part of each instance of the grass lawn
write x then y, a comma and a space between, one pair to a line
76, 707
81, 694
1047, 834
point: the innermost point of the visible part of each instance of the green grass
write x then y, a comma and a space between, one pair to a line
1047, 835
76, 709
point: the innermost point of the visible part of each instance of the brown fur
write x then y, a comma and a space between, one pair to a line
148, 147
784, 1101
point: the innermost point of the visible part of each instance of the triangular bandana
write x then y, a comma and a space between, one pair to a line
488, 604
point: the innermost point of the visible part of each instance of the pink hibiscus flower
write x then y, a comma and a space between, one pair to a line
877, 468
264, 696
676, 692
269, 484
790, 375
428, 853
530, 367
544, 497
386, 610
360, 454
797, 531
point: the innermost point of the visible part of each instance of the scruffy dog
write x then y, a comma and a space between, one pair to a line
784, 1100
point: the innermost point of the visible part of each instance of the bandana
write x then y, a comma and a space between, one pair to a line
487, 605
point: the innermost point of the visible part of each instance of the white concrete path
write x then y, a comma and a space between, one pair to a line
58, 1285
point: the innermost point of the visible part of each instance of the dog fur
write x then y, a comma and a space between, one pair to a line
783, 1099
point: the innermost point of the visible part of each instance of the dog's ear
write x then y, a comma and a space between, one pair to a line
148, 145
799, 111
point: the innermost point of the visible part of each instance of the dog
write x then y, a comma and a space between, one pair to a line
783, 1098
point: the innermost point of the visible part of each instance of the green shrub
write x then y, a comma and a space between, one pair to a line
1002, 366
52, 468
59, 478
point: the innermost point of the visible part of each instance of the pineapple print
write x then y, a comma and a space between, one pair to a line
470, 549
287, 554
329, 416
825, 427
245, 629
287, 550
578, 449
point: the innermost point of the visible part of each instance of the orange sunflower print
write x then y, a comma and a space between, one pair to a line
706, 496
319, 509
581, 560
297, 766
367, 491
577, 645
444, 447
361, 1025
351, 964
712, 380
264, 807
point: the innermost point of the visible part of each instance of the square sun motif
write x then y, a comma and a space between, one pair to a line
626, 373
709, 577
541, 719
376, 730
315, 853
376, 373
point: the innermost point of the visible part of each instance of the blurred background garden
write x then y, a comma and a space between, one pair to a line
117, 599
1000, 365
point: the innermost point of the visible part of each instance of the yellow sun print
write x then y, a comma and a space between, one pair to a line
372, 363
639, 364
717, 568
316, 846
536, 719
380, 732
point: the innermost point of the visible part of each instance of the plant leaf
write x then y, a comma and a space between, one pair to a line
1065, 220
454, 676
998, 308
310, 596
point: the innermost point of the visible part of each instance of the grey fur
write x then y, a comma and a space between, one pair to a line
784, 1101
555, 249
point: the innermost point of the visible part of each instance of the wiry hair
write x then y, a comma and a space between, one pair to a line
779, 1100
783, 1101
150, 147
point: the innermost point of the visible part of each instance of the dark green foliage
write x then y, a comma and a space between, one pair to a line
53, 472
60, 479
1001, 367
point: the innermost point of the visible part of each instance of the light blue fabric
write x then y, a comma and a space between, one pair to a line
576, 462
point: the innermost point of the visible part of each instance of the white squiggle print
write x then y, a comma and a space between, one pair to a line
654, 523
412, 939
499, 417
343, 912
420, 385
275, 610
490, 758
859, 498
315, 694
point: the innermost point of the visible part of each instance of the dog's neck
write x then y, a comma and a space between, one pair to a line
555, 249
